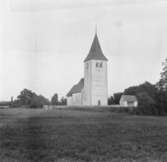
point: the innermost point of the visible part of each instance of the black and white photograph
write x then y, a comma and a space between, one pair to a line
83, 81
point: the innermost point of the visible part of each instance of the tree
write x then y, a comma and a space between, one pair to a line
161, 102
38, 101
55, 100
117, 97
146, 94
162, 84
110, 100
144, 99
147, 106
146, 87
44, 100
30, 99
63, 101
25, 97
35, 102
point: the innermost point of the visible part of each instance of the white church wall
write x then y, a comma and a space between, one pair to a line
96, 89
69, 101
76, 99
87, 83
99, 83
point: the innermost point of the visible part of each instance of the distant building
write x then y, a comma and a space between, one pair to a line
93, 88
128, 100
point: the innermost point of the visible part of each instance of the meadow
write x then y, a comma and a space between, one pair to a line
81, 135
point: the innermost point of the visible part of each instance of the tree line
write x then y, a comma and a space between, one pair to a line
28, 98
152, 98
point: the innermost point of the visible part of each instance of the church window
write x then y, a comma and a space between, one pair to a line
99, 64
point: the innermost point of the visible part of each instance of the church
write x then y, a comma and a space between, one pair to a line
93, 88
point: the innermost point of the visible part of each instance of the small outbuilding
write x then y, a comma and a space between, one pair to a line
128, 101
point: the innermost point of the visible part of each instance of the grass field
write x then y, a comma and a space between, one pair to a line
68, 135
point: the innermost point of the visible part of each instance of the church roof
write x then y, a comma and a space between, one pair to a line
95, 52
77, 88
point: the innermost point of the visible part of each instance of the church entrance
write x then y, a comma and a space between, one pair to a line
99, 103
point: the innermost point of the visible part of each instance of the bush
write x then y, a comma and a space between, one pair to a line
27, 98
145, 110
152, 101
148, 106
161, 102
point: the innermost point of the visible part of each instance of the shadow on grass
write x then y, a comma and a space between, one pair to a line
23, 141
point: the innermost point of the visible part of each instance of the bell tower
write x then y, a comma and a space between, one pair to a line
95, 76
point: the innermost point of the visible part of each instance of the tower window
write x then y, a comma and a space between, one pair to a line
99, 64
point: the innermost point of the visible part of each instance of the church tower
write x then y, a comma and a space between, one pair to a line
95, 76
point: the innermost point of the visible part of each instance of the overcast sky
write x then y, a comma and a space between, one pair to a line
43, 42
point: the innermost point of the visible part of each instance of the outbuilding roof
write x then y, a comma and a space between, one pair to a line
128, 98
95, 52
77, 88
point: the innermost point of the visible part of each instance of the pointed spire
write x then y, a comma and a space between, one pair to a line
95, 52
